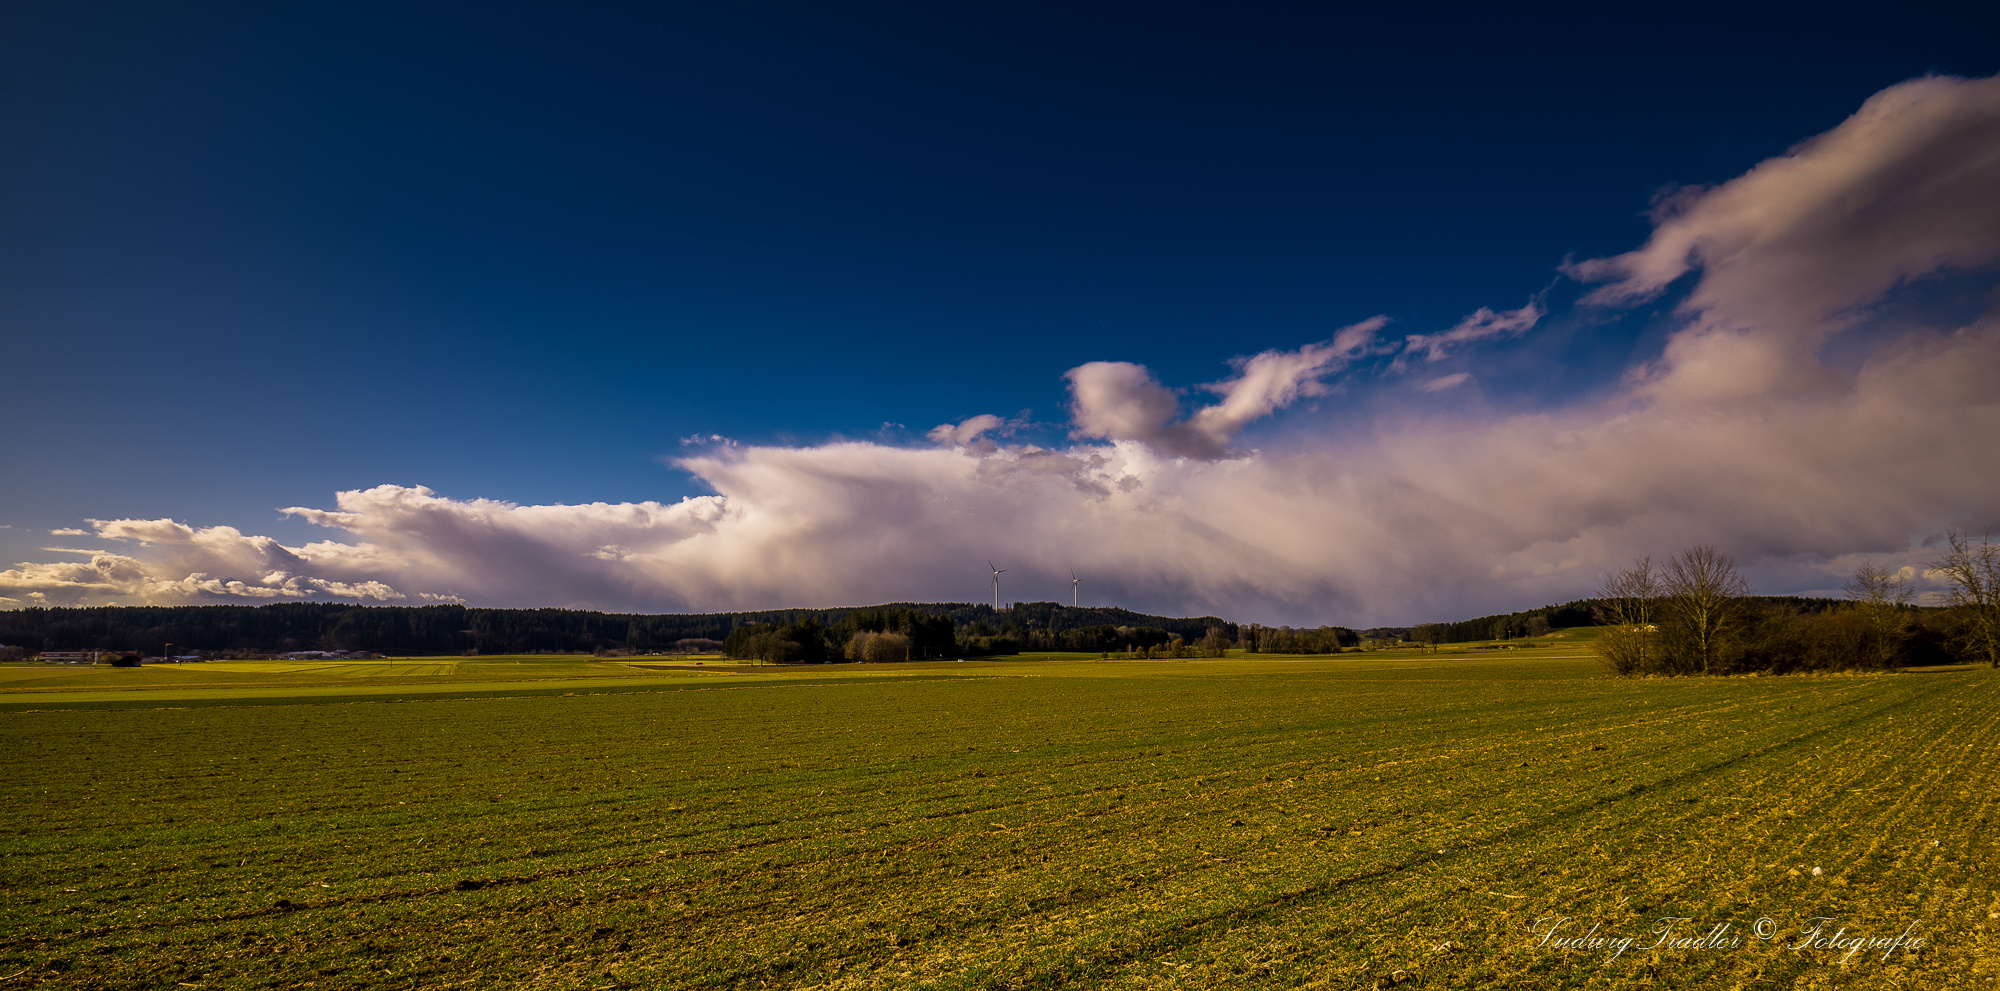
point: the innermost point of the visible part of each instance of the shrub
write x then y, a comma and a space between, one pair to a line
1627, 650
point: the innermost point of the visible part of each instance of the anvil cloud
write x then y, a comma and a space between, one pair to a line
1740, 431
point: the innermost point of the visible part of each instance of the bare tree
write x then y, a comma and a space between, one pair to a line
1972, 574
1875, 584
1630, 597
1215, 644
1629, 600
1701, 603
1880, 596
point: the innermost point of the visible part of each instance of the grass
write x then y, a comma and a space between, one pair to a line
1346, 822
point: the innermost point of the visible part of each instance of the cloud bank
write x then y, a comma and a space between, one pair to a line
1740, 431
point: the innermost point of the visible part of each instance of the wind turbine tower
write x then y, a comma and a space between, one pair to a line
997, 572
1074, 581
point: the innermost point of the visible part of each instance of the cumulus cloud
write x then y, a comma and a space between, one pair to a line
1736, 433
69, 531
179, 563
971, 430
1121, 401
371, 590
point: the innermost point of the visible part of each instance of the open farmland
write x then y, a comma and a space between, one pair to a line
167, 681
1341, 822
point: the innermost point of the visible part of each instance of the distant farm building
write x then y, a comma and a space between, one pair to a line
71, 656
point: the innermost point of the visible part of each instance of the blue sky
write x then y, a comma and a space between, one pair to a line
251, 257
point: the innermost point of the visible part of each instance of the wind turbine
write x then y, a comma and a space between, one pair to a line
997, 572
1074, 581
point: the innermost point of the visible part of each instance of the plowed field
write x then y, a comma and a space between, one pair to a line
1481, 820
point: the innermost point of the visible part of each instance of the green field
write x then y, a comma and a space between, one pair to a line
1358, 821
403, 671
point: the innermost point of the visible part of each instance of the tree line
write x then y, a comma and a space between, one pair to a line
1695, 614
1577, 612
1255, 639
455, 630
896, 633
890, 634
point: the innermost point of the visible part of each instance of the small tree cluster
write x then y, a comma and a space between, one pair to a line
1693, 615
1685, 616
869, 635
1215, 643
1702, 608
1285, 640
1971, 573
804, 642
1882, 611
878, 648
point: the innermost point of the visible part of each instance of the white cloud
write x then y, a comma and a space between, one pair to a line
1482, 325
1120, 401
1443, 382
1737, 434
69, 531
1798, 249
371, 590
967, 431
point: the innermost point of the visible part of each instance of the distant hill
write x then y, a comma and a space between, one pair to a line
289, 626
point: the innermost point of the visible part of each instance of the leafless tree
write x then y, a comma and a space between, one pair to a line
1630, 597
1629, 600
1972, 575
1880, 596
1701, 603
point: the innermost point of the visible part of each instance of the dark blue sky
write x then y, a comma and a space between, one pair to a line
252, 254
